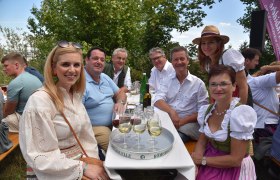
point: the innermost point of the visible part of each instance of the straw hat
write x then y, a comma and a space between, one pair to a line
211, 31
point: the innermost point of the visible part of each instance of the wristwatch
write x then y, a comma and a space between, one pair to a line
203, 162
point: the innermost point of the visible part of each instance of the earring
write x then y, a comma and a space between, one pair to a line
55, 79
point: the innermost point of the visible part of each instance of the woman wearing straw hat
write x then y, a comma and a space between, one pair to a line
211, 52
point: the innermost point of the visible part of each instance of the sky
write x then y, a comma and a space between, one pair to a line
14, 13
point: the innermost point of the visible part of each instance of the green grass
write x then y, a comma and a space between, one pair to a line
13, 166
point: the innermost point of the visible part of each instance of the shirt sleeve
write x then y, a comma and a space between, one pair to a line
268, 80
243, 119
161, 93
234, 59
202, 98
152, 78
201, 117
127, 79
13, 91
87, 138
39, 143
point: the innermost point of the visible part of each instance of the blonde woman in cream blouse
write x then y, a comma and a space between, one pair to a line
46, 141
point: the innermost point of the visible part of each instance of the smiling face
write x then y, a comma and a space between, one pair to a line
209, 46
180, 62
68, 69
221, 87
95, 63
119, 60
158, 60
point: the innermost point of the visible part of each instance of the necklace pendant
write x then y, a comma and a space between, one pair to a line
221, 113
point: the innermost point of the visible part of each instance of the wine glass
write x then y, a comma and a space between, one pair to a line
154, 128
139, 126
149, 112
125, 125
115, 123
116, 119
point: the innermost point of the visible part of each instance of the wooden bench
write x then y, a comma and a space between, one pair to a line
190, 145
275, 161
14, 138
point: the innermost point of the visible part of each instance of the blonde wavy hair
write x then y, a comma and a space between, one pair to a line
50, 82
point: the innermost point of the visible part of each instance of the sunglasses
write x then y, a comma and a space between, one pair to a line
65, 44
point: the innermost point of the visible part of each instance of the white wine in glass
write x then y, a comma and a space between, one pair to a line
154, 128
125, 125
139, 127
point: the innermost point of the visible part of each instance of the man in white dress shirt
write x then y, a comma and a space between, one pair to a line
263, 91
118, 71
181, 96
161, 70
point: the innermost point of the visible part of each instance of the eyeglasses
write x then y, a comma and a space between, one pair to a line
156, 58
222, 84
65, 44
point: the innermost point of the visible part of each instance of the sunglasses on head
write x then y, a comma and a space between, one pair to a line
65, 44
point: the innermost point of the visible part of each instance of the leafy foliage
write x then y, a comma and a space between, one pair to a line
136, 25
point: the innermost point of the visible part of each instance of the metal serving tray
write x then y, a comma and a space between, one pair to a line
162, 145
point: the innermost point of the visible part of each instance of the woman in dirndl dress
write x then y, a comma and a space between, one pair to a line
222, 150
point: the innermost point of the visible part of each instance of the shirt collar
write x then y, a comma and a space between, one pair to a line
89, 78
167, 64
189, 76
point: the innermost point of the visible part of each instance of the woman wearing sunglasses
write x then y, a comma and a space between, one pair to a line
46, 141
226, 129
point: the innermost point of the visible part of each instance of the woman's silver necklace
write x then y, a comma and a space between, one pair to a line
221, 113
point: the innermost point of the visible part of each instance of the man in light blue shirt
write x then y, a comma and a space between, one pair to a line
19, 89
182, 95
102, 96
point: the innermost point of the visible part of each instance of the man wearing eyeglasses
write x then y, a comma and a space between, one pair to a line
161, 70
182, 95
102, 96
118, 71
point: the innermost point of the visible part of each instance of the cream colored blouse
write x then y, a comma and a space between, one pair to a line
44, 133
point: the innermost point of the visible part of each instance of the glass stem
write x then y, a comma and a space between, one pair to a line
124, 139
138, 140
153, 144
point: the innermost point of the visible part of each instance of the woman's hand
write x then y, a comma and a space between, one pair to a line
197, 158
96, 172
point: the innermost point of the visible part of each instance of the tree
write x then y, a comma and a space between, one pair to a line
137, 25
15, 41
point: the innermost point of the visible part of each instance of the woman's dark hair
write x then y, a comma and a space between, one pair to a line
203, 59
222, 69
